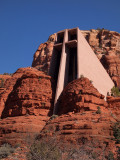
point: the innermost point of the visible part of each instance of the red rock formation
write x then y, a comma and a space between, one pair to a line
80, 95
21, 129
114, 106
3, 78
86, 130
42, 56
8, 86
102, 41
33, 93
27, 103
112, 65
80, 123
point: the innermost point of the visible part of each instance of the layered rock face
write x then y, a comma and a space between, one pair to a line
80, 95
86, 130
103, 41
32, 94
112, 65
26, 104
21, 129
105, 44
42, 56
114, 106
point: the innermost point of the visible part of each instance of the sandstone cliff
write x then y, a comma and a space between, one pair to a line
27, 99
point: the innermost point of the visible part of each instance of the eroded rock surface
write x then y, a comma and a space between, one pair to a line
114, 106
26, 105
42, 56
80, 95
87, 130
21, 129
32, 93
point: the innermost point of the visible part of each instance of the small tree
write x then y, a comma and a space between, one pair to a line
5, 150
115, 91
118, 153
98, 110
110, 156
116, 132
1, 82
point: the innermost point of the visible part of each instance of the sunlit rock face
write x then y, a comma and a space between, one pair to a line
32, 94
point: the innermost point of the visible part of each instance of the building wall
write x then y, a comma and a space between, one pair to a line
90, 66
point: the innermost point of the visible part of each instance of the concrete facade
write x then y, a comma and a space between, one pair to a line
73, 57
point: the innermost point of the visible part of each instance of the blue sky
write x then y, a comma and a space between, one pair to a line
24, 24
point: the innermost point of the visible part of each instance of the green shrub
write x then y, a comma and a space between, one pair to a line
1, 82
5, 150
118, 153
53, 116
91, 81
81, 76
44, 151
94, 155
98, 110
116, 132
5, 73
43, 104
115, 92
110, 156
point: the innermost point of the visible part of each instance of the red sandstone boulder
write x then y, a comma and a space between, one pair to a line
80, 95
32, 93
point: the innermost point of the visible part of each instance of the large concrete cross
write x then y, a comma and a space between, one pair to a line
72, 57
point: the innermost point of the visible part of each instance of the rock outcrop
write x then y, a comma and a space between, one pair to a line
79, 96
33, 94
103, 41
112, 65
21, 129
87, 130
114, 106
42, 56
26, 105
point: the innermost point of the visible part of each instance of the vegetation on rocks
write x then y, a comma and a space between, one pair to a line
5, 150
1, 82
44, 151
98, 110
116, 132
115, 92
